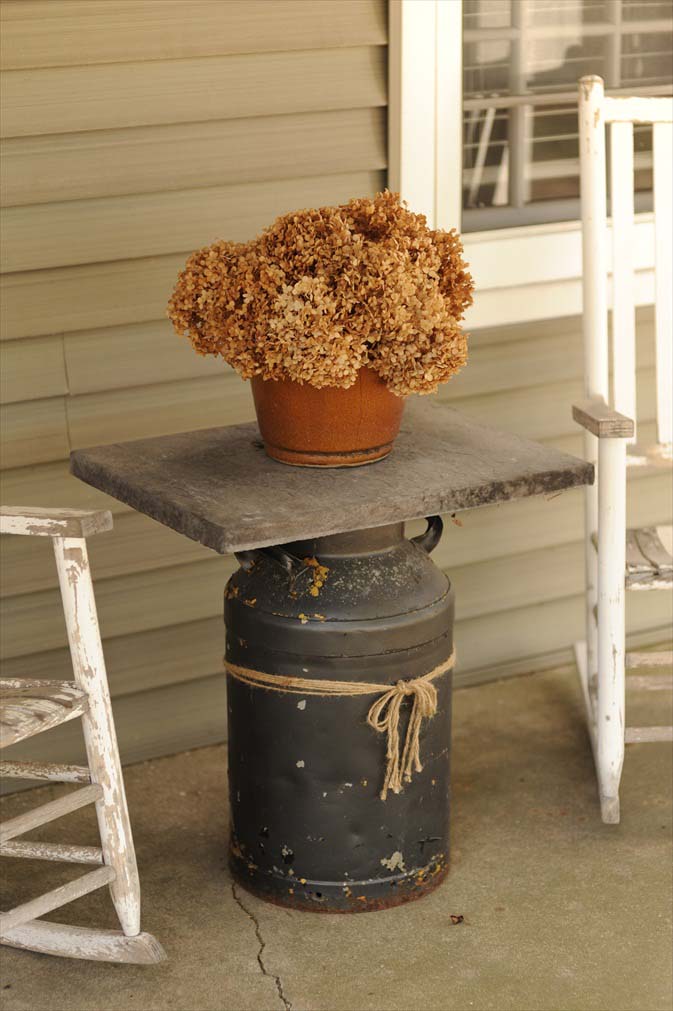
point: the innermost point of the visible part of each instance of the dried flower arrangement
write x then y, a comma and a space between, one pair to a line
323, 293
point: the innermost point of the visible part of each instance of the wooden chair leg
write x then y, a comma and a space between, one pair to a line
591, 570
610, 716
100, 738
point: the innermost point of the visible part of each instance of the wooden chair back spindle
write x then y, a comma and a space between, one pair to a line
663, 240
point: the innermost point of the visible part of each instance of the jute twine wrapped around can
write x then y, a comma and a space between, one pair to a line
383, 715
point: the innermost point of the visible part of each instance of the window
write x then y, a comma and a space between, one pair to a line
482, 122
521, 63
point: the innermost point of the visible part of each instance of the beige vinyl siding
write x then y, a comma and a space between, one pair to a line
34, 432
110, 97
134, 132
106, 163
73, 232
49, 33
134, 135
94, 295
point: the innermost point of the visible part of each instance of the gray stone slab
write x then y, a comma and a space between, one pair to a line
218, 487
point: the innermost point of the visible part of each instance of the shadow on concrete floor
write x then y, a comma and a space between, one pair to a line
559, 911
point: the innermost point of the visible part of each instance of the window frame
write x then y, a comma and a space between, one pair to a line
522, 273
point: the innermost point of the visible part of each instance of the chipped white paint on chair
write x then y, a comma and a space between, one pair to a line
30, 707
609, 423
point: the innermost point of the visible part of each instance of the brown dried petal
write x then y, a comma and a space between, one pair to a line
322, 293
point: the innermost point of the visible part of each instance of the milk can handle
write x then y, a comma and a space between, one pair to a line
246, 559
430, 538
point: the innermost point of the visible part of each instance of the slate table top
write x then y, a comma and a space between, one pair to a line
218, 487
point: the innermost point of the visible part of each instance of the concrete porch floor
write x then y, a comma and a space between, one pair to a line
560, 912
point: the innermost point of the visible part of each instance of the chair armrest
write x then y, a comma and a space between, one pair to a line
600, 419
54, 522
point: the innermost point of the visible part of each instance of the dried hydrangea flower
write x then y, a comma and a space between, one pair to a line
323, 293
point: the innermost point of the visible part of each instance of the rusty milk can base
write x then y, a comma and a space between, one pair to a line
338, 896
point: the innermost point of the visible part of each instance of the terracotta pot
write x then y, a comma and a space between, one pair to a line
331, 427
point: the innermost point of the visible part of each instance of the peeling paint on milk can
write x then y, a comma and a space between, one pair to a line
309, 827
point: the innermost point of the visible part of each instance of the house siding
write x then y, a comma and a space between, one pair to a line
133, 132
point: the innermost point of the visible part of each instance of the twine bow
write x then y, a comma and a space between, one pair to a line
383, 716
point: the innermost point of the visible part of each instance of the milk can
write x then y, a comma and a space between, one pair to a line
313, 825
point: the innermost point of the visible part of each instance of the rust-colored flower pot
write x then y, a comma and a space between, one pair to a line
330, 427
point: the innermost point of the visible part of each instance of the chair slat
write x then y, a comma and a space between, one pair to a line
663, 232
57, 897
648, 735
38, 686
648, 559
49, 812
649, 456
653, 548
649, 580
650, 682
31, 706
638, 109
623, 301
652, 659
51, 771
635, 560
29, 849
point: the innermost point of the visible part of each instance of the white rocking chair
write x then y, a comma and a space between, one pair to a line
30, 706
636, 559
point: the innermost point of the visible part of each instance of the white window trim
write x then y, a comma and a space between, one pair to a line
521, 274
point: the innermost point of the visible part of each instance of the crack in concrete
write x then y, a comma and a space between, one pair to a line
287, 1006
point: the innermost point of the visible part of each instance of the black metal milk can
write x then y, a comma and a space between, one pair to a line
308, 826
